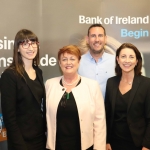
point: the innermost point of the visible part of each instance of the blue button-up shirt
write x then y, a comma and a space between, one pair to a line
99, 71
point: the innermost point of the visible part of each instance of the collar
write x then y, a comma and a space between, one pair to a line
89, 56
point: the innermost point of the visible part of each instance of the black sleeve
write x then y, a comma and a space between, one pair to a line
108, 112
44, 97
8, 103
146, 140
44, 105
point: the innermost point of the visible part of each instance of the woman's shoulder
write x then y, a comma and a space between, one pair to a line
8, 76
144, 79
9, 72
114, 78
53, 80
88, 81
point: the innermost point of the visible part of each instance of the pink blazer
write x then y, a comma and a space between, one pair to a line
90, 105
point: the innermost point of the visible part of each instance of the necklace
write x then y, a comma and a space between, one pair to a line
67, 97
127, 82
69, 84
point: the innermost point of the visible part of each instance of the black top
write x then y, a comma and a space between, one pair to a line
38, 89
120, 125
39, 141
68, 127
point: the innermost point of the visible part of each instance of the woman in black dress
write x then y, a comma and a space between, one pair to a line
23, 96
127, 103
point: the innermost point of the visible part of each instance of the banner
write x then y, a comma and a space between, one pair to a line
63, 22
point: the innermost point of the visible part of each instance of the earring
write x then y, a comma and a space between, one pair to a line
18, 51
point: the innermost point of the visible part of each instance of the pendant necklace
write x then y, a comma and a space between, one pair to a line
127, 82
67, 96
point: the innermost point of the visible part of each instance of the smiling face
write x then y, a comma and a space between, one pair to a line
127, 60
96, 40
28, 53
69, 63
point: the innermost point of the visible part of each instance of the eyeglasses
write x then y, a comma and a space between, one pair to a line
26, 45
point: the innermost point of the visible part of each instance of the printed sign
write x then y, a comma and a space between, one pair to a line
3, 135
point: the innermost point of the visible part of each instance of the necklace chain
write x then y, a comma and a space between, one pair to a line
127, 82
63, 80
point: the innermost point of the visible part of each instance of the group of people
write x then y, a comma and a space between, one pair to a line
101, 102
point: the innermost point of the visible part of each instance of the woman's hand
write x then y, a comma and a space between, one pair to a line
144, 148
108, 147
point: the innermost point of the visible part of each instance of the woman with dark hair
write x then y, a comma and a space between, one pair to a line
127, 103
23, 96
74, 107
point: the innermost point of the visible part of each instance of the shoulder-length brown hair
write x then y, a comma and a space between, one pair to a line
23, 36
138, 67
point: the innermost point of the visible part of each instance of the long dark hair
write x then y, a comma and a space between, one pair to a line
138, 67
22, 36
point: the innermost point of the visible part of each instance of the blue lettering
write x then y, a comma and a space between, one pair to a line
124, 32
136, 34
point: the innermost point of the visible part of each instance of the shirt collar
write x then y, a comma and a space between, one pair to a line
91, 58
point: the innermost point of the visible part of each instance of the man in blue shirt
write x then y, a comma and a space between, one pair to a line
96, 63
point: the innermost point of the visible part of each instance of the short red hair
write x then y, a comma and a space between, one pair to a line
70, 49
